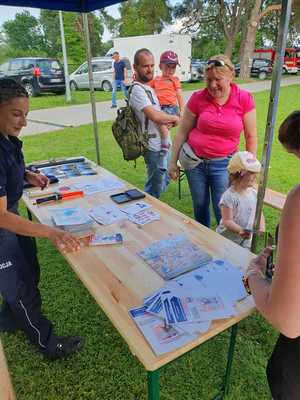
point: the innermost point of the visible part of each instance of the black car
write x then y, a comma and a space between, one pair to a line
36, 74
261, 68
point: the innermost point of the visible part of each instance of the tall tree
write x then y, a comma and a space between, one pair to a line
24, 35
213, 17
258, 11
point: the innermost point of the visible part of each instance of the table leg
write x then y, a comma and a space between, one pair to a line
153, 385
225, 387
33, 239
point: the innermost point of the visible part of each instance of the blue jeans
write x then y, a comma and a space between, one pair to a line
157, 178
115, 85
208, 180
172, 110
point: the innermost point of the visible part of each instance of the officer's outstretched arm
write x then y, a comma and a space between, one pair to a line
21, 226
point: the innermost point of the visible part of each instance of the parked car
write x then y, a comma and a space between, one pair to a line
197, 69
261, 68
102, 74
36, 74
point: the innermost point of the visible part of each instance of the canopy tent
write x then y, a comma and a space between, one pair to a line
81, 6
84, 6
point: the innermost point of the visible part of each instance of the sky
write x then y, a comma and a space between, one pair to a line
8, 13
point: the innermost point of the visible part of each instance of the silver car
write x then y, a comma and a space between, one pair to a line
102, 73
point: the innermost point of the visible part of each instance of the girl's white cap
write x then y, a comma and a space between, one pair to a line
243, 161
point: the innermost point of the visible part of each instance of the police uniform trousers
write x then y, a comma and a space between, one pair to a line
19, 279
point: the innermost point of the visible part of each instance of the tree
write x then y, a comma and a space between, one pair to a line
24, 35
139, 17
213, 18
74, 35
258, 11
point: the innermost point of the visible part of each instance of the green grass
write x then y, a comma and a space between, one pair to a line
82, 97
105, 369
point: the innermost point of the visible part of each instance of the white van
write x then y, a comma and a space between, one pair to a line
102, 74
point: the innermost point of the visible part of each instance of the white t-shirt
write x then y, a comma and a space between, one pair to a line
243, 206
138, 100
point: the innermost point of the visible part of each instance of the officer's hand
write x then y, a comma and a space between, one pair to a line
38, 180
173, 171
64, 240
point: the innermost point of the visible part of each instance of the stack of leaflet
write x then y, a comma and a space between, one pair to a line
74, 219
186, 306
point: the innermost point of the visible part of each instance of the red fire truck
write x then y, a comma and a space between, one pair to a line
291, 58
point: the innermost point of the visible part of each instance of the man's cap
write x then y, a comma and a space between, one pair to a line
169, 57
243, 161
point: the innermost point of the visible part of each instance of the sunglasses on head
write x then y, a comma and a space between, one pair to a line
217, 63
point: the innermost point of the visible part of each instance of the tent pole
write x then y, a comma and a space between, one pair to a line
91, 83
286, 6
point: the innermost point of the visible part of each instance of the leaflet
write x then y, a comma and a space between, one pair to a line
162, 339
107, 214
204, 306
100, 185
135, 208
97, 239
144, 217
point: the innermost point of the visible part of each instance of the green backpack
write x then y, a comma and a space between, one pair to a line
128, 132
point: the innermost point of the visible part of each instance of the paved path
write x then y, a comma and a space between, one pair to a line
52, 119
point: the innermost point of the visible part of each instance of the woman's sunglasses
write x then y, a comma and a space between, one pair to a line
217, 63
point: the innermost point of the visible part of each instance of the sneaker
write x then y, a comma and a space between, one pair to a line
66, 345
114, 106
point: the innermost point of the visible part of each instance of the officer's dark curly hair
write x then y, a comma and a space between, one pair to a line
9, 89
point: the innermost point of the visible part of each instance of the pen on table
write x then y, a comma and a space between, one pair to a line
59, 197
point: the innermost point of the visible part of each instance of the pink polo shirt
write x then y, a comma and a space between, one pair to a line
218, 128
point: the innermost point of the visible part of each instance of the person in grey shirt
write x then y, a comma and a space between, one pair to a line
146, 107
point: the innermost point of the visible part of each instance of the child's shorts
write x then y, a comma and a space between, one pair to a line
171, 109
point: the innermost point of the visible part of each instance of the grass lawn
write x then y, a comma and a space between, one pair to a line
105, 369
82, 97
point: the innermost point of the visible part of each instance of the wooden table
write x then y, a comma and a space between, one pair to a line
118, 279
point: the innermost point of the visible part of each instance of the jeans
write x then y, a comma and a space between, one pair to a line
208, 180
172, 110
115, 85
157, 178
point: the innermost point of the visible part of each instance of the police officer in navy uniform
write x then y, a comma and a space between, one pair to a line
19, 267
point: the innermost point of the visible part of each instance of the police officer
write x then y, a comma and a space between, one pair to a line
19, 267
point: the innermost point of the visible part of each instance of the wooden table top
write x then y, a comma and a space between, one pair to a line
118, 279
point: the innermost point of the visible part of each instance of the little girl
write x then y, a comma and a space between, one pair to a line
238, 202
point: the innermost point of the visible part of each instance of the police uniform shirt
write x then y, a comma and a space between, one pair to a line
12, 169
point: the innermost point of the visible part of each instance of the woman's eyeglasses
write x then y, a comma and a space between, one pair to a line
217, 63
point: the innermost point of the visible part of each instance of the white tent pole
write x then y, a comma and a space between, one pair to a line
91, 83
64, 50
286, 6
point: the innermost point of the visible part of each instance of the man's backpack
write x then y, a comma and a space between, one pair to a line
129, 133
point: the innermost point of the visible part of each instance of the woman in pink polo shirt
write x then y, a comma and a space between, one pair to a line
212, 123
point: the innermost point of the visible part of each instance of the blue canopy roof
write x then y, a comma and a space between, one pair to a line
62, 5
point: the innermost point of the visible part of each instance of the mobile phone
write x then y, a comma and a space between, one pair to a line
120, 198
135, 194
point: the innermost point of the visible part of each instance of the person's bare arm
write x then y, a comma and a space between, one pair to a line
228, 222
279, 302
160, 117
250, 131
180, 100
187, 122
21, 226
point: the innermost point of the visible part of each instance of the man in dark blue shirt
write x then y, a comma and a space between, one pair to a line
119, 77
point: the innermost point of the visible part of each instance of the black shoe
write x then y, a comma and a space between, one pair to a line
114, 106
66, 345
